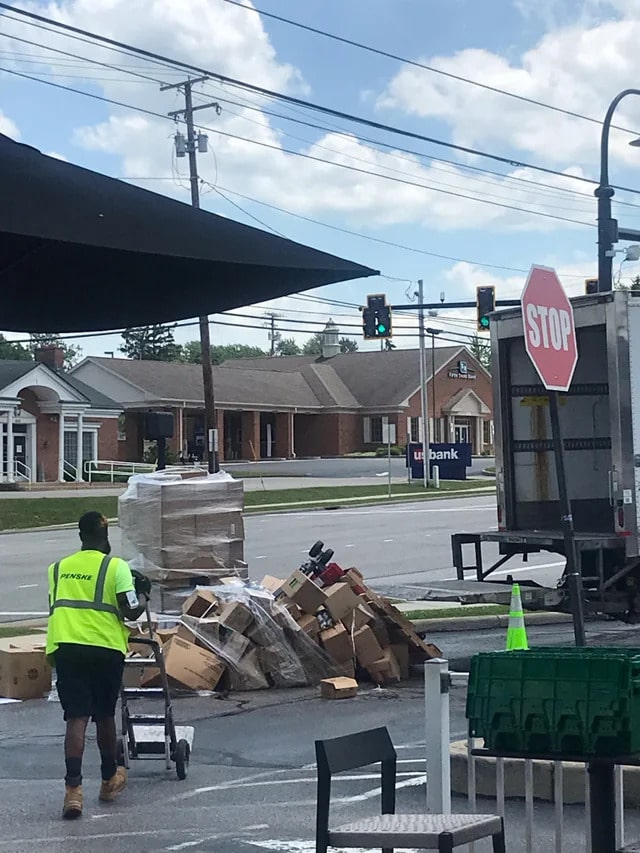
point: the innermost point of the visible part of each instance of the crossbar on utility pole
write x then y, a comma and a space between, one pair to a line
210, 426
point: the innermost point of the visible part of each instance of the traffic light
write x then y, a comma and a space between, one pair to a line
376, 318
485, 305
590, 286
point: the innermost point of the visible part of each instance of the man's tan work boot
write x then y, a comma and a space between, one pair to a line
72, 807
113, 787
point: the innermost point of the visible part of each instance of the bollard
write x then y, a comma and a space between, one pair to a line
438, 759
435, 476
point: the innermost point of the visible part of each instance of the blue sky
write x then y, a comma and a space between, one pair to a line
574, 55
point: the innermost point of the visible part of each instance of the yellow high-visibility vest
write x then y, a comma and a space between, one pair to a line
83, 605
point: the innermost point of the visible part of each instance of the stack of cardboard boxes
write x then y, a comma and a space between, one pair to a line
288, 633
359, 630
182, 531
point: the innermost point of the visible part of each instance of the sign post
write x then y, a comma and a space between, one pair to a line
389, 435
550, 341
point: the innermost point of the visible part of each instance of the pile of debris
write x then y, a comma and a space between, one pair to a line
244, 636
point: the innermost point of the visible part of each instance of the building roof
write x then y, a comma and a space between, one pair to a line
371, 378
11, 371
349, 381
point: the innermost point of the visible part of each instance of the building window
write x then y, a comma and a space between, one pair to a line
487, 433
415, 429
89, 442
122, 429
376, 430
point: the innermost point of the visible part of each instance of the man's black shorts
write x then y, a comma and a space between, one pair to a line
88, 680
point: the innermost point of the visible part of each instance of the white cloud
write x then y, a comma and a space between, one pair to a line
57, 156
578, 67
8, 127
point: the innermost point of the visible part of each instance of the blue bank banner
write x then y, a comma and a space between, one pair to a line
452, 460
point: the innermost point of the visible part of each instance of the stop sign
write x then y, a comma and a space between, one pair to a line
549, 329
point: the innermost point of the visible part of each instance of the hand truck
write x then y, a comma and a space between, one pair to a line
152, 736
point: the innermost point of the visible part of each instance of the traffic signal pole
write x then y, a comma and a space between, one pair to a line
423, 387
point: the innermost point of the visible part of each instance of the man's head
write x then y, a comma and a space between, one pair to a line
94, 532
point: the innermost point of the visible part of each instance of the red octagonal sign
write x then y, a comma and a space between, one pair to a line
549, 328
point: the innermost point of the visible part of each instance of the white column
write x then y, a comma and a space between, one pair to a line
479, 435
79, 448
10, 456
33, 461
60, 445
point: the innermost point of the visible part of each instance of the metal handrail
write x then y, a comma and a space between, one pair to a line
115, 468
22, 470
68, 468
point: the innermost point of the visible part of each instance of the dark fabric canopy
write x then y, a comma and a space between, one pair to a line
83, 252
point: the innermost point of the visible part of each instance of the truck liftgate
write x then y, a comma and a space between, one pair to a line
611, 582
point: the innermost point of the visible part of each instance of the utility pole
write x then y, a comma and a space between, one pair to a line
210, 425
274, 335
423, 387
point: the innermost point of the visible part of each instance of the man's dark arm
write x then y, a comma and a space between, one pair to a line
128, 607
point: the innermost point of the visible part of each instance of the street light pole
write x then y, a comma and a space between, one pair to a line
607, 226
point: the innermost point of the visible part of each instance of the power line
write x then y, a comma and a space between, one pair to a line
123, 47
405, 61
386, 242
292, 152
252, 106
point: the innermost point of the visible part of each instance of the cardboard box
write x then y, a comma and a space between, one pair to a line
236, 616
401, 652
191, 666
386, 669
355, 580
233, 646
341, 600
368, 649
272, 584
201, 602
24, 672
337, 643
140, 650
338, 688
309, 625
165, 634
346, 669
304, 592
358, 618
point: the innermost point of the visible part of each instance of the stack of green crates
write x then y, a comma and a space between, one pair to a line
556, 701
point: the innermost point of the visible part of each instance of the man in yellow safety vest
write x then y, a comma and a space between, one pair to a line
90, 595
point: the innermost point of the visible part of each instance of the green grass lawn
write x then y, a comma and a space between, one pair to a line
20, 513
9, 631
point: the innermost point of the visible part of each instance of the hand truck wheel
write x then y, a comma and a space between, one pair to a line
182, 758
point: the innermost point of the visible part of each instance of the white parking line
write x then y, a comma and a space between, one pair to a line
28, 586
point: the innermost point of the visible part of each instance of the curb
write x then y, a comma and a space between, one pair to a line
475, 623
545, 778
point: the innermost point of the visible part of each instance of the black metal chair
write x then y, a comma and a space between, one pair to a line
389, 830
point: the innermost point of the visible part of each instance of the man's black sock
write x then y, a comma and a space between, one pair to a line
108, 768
74, 772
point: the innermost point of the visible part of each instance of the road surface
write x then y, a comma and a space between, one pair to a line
394, 546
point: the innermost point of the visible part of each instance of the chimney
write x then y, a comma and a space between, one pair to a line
330, 340
51, 355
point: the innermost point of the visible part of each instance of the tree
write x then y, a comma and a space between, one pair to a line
287, 346
153, 343
635, 284
481, 351
192, 352
348, 345
13, 352
314, 345
72, 353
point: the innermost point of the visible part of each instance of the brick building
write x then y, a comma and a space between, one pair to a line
50, 422
301, 405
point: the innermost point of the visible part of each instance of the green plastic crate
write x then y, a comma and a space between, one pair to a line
552, 700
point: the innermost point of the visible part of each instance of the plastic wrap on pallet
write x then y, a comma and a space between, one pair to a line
271, 651
178, 531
